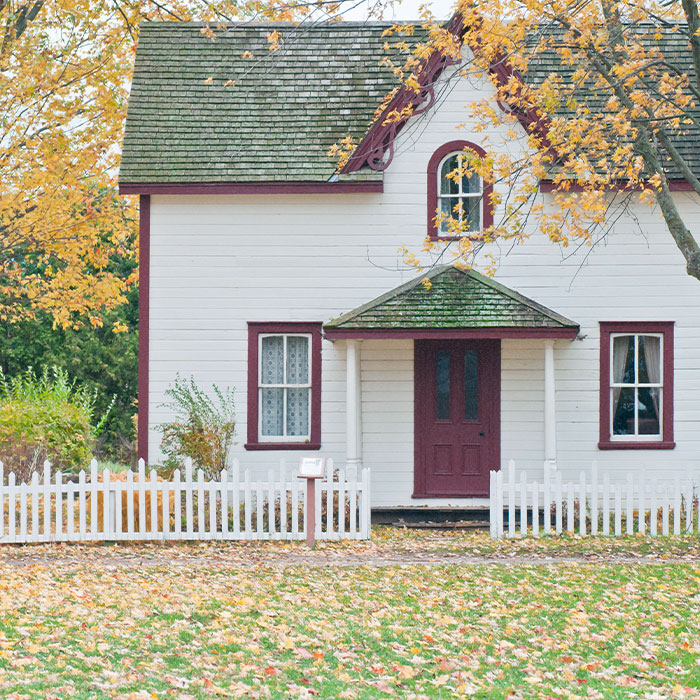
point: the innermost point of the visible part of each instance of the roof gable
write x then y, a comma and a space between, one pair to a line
455, 299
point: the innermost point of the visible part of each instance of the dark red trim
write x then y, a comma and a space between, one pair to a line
437, 333
323, 187
376, 149
254, 329
608, 327
433, 163
144, 322
673, 185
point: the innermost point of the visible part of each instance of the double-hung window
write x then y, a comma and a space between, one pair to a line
636, 385
284, 386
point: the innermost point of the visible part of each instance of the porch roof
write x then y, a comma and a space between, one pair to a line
456, 303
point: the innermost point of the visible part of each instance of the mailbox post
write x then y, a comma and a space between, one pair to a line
311, 468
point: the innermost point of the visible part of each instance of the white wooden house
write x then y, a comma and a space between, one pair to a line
264, 270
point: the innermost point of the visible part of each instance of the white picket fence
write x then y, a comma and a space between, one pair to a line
592, 506
136, 506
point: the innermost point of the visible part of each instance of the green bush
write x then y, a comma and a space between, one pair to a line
202, 429
46, 417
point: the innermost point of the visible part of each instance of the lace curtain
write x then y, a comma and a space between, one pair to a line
284, 362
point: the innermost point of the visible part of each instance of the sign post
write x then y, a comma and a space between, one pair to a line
311, 468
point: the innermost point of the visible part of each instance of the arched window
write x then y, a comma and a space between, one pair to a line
452, 192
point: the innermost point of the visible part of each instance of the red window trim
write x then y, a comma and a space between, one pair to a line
255, 328
666, 329
433, 163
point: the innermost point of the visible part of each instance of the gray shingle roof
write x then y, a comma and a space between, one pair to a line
277, 122
674, 47
456, 299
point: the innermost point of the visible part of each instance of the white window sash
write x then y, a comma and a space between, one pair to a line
284, 386
636, 385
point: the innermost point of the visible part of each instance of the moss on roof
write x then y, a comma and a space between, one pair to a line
455, 299
276, 122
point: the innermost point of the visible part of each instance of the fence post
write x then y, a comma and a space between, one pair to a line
492, 504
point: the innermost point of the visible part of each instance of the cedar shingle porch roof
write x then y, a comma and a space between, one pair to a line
457, 302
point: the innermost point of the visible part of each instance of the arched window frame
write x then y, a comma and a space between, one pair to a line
434, 166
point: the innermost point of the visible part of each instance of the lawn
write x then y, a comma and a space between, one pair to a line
269, 620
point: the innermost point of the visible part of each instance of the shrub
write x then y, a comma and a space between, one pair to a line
203, 429
46, 417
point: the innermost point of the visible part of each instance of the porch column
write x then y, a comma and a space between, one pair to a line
353, 414
550, 418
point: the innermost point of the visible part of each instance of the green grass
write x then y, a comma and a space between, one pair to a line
202, 629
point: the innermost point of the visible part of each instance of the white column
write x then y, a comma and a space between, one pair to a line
353, 405
550, 417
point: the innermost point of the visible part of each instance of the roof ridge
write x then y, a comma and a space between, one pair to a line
170, 24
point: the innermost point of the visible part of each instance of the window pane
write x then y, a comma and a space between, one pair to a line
272, 357
623, 359
298, 411
449, 185
471, 184
443, 385
472, 209
649, 359
471, 385
297, 360
272, 411
648, 406
447, 205
623, 411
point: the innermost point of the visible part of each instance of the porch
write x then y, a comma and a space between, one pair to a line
455, 329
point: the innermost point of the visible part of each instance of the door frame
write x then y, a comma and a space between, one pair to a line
420, 378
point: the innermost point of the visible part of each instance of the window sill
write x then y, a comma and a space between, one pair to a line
282, 446
417, 494
639, 445
447, 239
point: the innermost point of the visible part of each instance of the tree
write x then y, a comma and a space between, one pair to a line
608, 93
64, 79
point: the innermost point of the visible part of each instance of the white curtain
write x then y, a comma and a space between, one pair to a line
652, 356
297, 411
621, 344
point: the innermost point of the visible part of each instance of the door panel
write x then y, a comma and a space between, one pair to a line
457, 416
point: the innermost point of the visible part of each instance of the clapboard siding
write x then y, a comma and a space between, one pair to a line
220, 261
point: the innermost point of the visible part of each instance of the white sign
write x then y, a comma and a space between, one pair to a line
312, 467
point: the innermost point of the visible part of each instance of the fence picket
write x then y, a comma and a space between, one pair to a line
58, 501
295, 508
82, 520
142, 497
341, 503
582, 505
630, 504
153, 496
35, 507
70, 511
523, 504
271, 525
664, 510
177, 505
641, 501
129, 495
654, 513
47, 500
224, 504
511, 498
688, 499
594, 498
259, 510
11, 514
93, 498
236, 500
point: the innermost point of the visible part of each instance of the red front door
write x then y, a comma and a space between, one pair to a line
457, 416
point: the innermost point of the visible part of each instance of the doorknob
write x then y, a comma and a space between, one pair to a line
482, 433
